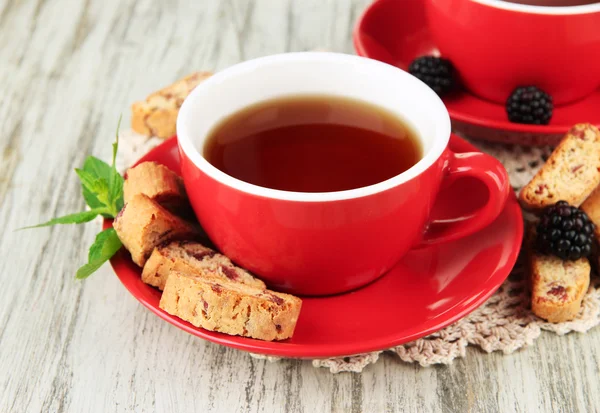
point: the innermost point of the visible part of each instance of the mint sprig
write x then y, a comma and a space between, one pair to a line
76, 218
102, 190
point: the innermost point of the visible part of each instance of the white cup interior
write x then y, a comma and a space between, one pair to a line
313, 73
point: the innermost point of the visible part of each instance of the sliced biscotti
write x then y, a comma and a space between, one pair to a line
157, 115
571, 173
558, 286
157, 182
143, 224
230, 307
193, 257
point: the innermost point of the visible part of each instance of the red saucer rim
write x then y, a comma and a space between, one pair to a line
308, 351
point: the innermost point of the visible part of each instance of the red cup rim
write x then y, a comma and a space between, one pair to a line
438, 146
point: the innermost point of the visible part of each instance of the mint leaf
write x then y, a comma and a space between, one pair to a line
115, 191
97, 167
107, 243
88, 269
92, 201
76, 218
100, 170
96, 186
103, 184
104, 238
115, 181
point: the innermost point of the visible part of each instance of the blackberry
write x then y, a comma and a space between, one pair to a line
529, 105
565, 231
435, 72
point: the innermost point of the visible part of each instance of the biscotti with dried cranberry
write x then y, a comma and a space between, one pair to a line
157, 182
571, 173
230, 307
157, 115
143, 224
193, 257
558, 286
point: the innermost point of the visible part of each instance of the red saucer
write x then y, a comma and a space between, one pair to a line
429, 289
396, 32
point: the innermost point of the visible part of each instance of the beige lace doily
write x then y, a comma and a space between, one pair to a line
504, 323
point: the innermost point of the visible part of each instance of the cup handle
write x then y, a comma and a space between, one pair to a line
486, 169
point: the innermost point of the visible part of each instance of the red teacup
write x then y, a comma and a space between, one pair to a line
498, 45
327, 243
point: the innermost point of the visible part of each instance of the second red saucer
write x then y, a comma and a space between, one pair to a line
396, 32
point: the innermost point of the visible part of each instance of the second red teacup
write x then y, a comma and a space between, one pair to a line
499, 45
319, 243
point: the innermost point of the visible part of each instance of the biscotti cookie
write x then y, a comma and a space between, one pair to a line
143, 224
156, 182
591, 206
571, 173
231, 308
193, 257
157, 115
558, 286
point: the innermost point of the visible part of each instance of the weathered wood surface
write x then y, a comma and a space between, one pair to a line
67, 70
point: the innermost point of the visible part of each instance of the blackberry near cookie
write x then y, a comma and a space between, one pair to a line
565, 231
529, 105
436, 72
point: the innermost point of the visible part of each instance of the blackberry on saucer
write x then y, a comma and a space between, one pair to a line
565, 231
529, 105
435, 72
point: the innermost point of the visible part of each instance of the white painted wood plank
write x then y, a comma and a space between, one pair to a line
68, 68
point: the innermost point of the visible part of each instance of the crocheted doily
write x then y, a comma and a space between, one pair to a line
503, 323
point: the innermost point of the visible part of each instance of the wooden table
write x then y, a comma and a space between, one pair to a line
68, 69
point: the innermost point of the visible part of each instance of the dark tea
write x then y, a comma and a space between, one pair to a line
313, 144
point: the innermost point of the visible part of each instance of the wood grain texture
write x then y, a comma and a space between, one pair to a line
68, 68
